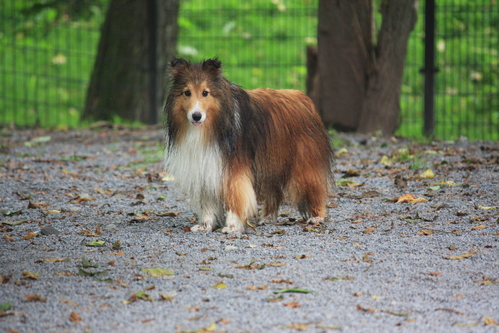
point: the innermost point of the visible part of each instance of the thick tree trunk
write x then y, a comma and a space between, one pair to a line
128, 79
344, 42
359, 82
382, 102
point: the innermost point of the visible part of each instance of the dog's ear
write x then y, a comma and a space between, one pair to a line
178, 66
212, 65
178, 61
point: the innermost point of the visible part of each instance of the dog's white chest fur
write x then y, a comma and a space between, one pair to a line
197, 168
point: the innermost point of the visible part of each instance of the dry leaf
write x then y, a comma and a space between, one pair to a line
74, 317
359, 308
301, 256
477, 227
489, 321
409, 198
292, 305
69, 302
282, 281
427, 232
30, 275
276, 264
35, 298
257, 288
29, 235
369, 230
56, 259
8, 238
462, 256
297, 326
435, 273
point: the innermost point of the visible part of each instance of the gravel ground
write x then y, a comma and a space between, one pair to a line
375, 266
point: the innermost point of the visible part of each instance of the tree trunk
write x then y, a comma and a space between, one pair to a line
359, 82
382, 103
128, 80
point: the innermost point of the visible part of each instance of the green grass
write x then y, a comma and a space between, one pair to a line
45, 68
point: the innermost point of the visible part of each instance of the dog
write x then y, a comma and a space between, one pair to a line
230, 149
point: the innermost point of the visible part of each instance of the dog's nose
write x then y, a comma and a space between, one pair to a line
196, 116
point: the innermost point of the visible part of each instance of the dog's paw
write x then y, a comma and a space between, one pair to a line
315, 220
232, 229
269, 219
201, 227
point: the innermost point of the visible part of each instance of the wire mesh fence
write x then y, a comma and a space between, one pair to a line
46, 59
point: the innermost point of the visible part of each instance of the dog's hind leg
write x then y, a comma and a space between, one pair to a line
240, 201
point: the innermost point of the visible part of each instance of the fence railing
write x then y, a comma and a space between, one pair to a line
45, 62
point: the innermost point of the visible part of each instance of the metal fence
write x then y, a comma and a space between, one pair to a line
45, 61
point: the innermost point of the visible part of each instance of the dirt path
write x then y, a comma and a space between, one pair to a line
85, 216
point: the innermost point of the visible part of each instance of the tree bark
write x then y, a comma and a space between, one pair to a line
359, 81
124, 73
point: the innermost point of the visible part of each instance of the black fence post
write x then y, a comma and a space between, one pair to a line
152, 12
429, 69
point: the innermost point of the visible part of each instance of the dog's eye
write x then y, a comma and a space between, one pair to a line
187, 93
205, 93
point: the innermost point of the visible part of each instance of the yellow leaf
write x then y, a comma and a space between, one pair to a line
386, 161
117, 253
409, 198
486, 207
478, 227
490, 321
69, 302
428, 174
220, 285
276, 264
53, 211
462, 256
30, 275
56, 259
157, 272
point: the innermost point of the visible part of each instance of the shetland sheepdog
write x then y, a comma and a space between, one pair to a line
230, 149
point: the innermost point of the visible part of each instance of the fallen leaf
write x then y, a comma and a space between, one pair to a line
35, 298
8, 238
369, 230
18, 222
409, 198
292, 305
120, 253
157, 272
167, 297
276, 264
297, 326
301, 256
220, 285
117, 245
56, 259
96, 243
462, 256
427, 232
293, 290
385, 160
74, 317
477, 227
30, 275
489, 321
487, 207
428, 174
30, 235
435, 273
69, 302
257, 288
205, 268
282, 281
359, 308
5, 306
